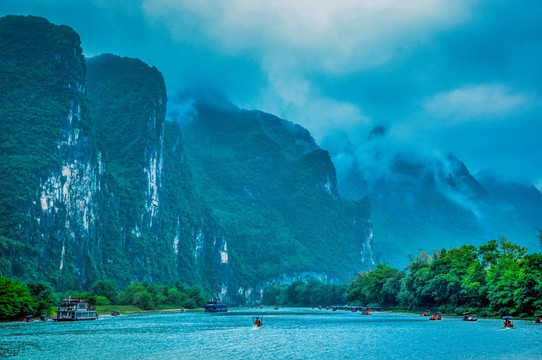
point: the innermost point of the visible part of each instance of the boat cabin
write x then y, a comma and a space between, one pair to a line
215, 306
75, 309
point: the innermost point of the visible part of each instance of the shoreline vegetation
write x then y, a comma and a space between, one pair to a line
492, 280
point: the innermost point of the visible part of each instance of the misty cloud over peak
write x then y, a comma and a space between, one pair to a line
457, 77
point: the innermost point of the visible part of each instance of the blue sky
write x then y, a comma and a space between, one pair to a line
441, 76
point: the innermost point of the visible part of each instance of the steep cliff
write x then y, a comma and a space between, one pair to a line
96, 184
51, 171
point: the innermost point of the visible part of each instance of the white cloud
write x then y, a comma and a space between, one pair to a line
474, 103
295, 40
336, 36
300, 102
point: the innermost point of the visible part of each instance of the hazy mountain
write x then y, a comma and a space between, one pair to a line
425, 201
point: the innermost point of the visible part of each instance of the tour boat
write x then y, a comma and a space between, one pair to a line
75, 309
215, 306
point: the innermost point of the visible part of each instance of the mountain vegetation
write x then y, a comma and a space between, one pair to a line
37, 59
97, 184
274, 193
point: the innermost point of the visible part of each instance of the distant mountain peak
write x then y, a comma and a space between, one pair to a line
377, 132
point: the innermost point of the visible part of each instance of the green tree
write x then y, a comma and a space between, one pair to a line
415, 288
528, 296
502, 277
294, 293
272, 296
197, 295
105, 288
378, 287
143, 299
43, 298
15, 299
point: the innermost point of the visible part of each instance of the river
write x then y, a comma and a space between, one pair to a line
287, 334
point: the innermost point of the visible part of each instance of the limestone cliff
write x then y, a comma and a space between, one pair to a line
97, 184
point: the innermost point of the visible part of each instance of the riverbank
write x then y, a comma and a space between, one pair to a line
105, 310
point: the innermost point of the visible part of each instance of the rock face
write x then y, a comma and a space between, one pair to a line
97, 184
50, 167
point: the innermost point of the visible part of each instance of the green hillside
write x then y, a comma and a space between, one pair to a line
274, 192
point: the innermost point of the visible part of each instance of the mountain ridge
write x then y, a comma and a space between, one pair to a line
118, 193
434, 202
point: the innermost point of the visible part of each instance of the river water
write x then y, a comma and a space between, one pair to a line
287, 334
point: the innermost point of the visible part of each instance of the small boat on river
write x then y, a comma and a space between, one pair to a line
508, 324
436, 317
115, 313
215, 306
468, 317
75, 309
257, 322
538, 318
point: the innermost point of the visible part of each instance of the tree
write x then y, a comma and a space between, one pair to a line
294, 291
143, 299
528, 296
43, 298
15, 299
105, 288
380, 286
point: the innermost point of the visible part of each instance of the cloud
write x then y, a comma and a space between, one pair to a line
480, 102
455, 76
337, 37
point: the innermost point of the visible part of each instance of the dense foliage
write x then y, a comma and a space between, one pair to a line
128, 100
299, 293
37, 62
273, 191
497, 278
146, 295
18, 300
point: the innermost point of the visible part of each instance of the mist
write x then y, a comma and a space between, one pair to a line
441, 77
